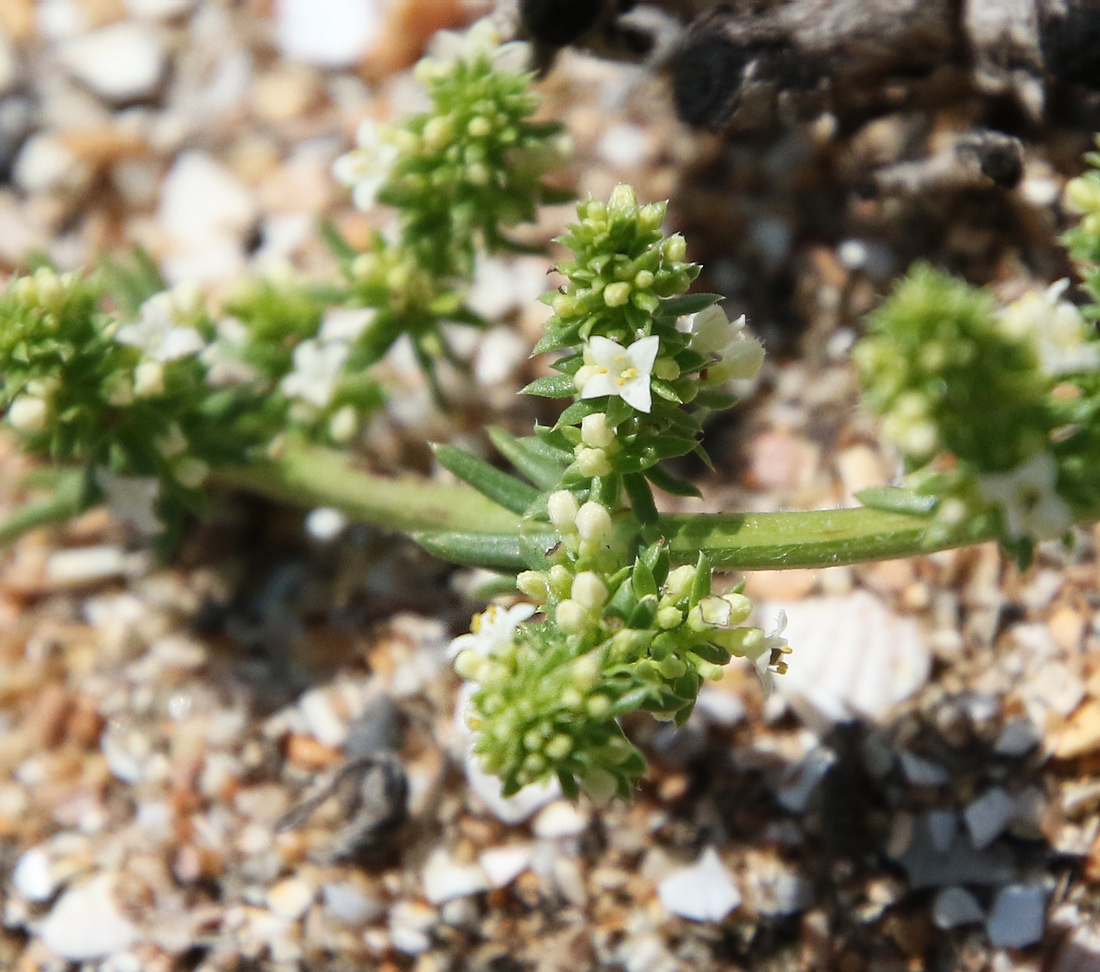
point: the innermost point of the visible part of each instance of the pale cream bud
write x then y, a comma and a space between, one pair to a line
438, 132
343, 425
559, 747
149, 379
616, 294
534, 584
740, 607
589, 590
562, 507
595, 432
28, 413
680, 581
669, 617
593, 462
479, 126
561, 580
594, 522
623, 198
571, 617
468, 664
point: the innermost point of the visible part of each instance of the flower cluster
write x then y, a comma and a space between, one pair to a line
1011, 394
82, 386
151, 388
459, 175
619, 626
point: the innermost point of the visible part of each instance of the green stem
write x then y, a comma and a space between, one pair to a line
309, 476
454, 517
821, 538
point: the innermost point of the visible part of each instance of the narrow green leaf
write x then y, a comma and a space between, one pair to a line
700, 585
552, 386
687, 304
491, 551
507, 491
671, 484
714, 400
531, 456
645, 584
334, 240
556, 338
641, 499
644, 614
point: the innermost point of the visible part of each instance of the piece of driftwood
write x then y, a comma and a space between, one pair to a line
755, 63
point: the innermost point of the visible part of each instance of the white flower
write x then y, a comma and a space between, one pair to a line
621, 371
738, 356
1063, 340
1028, 499
222, 358
345, 323
317, 368
366, 167
480, 38
491, 631
132, 500
158, 331
710, 330
768, 656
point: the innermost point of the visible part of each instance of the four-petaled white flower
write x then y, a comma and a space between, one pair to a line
1028, 499
492, 631
367, 166
317, 368
1063, 340
769, 658
158, 331
738, 356
615, 370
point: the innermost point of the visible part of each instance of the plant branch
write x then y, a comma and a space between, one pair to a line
311, 476
449, 517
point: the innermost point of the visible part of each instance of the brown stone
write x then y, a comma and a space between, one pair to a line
1081, 733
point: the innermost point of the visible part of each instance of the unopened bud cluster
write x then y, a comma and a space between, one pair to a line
459, 175
622, 628
1009, 393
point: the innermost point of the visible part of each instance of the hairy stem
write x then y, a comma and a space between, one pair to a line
309, 476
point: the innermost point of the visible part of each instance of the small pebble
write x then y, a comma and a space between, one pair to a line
342, 901
409, 925
922, 772
502, 865
327, 33
85, 924
291, 898
560, 819
445, 879
1018, 737
1017, 917
33, 877
987, 817
955, 906
122, 62
702, 892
